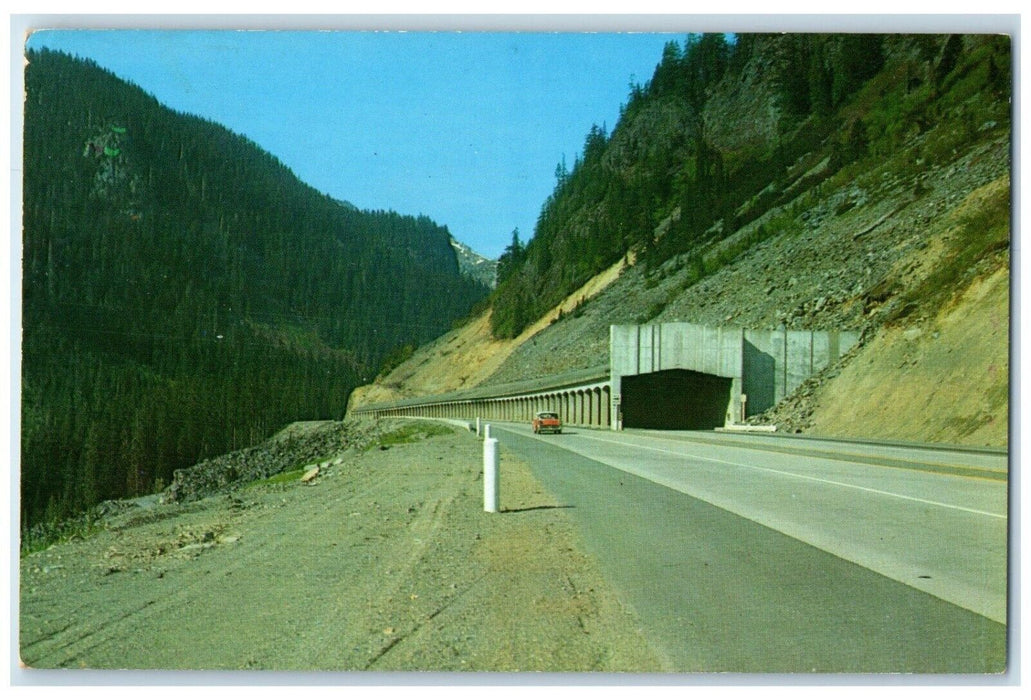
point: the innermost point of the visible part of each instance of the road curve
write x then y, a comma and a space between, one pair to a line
771, 555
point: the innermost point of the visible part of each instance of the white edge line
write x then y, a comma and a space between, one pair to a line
804, 477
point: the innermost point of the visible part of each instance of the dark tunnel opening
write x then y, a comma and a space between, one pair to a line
675, 399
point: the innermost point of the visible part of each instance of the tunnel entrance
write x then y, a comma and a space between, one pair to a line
675, 399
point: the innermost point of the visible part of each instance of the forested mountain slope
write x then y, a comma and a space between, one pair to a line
803, 181
726, 132
184, 294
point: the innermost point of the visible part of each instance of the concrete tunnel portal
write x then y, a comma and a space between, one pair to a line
669, 376
675, 399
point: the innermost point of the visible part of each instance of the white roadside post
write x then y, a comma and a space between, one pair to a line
491, 478
486, 431
477, 426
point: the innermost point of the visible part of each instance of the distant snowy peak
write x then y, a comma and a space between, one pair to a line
474, 265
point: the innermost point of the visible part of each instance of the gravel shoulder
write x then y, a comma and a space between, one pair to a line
385, 561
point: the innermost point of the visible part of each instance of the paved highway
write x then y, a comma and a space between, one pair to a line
759, 553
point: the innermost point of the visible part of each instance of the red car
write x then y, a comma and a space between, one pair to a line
547, 422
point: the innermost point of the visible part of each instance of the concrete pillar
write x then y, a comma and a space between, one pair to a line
491, 475
615, 397
798, 359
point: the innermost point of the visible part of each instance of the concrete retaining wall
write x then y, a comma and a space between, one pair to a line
763, 366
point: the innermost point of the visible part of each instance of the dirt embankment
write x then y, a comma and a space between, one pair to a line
938, 370
384, 561
898, 387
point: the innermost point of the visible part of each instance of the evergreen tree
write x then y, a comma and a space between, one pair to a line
512, 258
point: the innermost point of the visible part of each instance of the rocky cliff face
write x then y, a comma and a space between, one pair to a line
473, 265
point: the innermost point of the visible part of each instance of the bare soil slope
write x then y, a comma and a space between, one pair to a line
895, 388
938, 370
385, 561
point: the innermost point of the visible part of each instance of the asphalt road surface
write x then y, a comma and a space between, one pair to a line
762, 554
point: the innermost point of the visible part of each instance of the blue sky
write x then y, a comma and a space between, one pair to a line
464, 127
